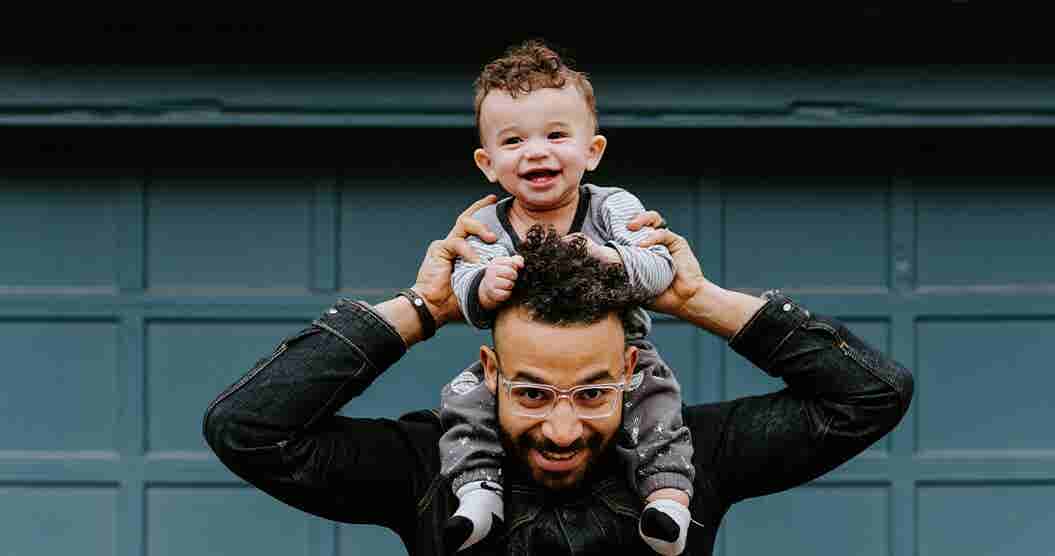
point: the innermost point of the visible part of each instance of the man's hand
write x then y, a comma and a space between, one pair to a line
688, 277
499, 279
694, 298
649, 219
434, 276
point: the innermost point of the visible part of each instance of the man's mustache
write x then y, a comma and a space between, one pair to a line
528, 442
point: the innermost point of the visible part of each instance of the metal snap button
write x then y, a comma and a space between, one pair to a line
786, 307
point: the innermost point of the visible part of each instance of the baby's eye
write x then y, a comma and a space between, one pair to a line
557, 134
510, 140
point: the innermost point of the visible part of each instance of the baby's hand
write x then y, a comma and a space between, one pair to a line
498, 281
603, 252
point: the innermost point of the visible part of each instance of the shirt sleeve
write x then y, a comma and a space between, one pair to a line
466, 278
652, 268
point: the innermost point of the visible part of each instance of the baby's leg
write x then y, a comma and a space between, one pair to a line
470, 455
657, 448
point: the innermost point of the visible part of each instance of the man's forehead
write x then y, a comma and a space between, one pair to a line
558, 354
564, 378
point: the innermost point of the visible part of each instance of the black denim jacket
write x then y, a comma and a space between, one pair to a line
276, 428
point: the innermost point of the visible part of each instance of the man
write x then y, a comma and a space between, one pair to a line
277, 428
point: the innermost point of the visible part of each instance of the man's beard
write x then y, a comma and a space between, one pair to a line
532, 439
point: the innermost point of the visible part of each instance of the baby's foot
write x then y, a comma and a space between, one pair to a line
664, 525
480, 511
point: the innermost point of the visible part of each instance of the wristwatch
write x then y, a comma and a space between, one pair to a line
428, 323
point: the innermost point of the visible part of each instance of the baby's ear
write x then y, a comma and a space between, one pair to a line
596, 151
485, 164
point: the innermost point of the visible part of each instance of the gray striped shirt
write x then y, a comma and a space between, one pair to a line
602, 216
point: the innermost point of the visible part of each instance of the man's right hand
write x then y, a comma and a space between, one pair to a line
688, 277
433, 282
694, 298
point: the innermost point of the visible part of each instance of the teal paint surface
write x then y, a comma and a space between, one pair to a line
131, 294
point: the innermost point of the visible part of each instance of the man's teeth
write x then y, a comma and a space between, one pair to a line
549, 455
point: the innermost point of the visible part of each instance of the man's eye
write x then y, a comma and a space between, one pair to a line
534, 393
591, 394
532, 397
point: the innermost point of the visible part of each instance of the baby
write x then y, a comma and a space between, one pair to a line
538, 129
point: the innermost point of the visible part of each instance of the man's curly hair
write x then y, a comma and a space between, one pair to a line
529, 66
562, 284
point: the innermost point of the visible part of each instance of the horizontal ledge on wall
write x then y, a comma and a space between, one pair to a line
109, 118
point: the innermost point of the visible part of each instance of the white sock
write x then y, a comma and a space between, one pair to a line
480, 502
668, 525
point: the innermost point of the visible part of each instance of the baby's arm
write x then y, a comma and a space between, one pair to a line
467, 278
650, 268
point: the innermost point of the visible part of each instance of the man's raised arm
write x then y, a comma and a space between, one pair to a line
277, 427
842, 394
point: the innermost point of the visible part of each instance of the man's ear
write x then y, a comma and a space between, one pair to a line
485, 164
630, 358
596, 151
489, 359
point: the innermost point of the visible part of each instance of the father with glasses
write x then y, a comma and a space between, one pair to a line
558, 366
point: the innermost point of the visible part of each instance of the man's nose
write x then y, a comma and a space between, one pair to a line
562, 427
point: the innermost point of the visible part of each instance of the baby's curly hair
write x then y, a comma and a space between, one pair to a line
529, 66
562, 284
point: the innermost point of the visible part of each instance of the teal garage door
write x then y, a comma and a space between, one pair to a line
143, 271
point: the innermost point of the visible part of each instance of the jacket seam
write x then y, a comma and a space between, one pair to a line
370, 311
772, 355
851, 353
336, 395
344, 339
749, 322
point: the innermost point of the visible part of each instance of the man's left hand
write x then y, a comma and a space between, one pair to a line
433, 283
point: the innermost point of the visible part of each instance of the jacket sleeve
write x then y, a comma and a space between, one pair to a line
277, 427
842, 395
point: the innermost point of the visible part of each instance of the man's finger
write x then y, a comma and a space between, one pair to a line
479, 204
473, 227
460, 225
458, 247
648, 218
661, 237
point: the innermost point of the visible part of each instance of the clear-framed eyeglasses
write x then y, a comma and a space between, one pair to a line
589, 401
